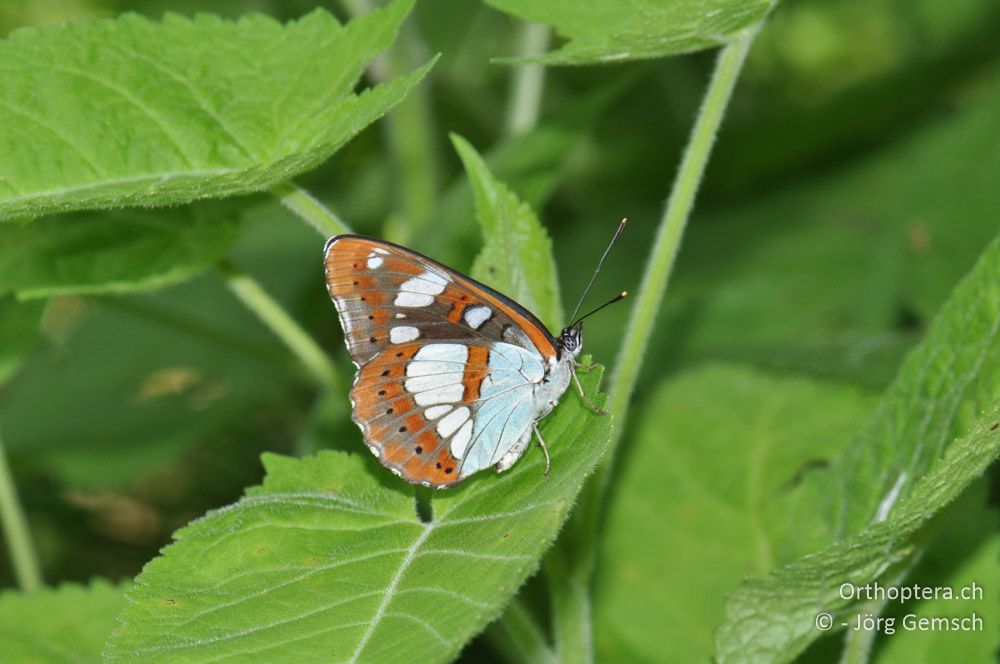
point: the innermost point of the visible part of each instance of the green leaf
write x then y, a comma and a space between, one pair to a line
942, 390
818, 276
129, 112
112, 252
17, 333
900, 470
701, 502
965, 550
615, 31
329, 556
194, 368
773, 618
64, 625
516, 258
533, 164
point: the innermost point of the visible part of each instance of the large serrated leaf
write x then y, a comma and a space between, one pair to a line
112, 252
324, 563
129, 112
64, 625
935, 431
701, 502
516, 257
618, 30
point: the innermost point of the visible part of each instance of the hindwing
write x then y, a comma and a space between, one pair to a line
437, 412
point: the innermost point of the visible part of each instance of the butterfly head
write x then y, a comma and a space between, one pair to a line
571, 339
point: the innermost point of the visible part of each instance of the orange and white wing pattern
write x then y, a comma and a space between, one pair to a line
452, 375
386, 295
436, 413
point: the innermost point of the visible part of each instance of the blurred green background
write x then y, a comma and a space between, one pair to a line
853, 184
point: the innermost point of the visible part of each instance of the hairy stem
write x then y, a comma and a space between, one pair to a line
518, 638
274, 316
409, 131
569, 589
15, 530
586, 518
306, 206
524, 103
647, 302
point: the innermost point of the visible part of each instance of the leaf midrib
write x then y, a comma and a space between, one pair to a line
390, 590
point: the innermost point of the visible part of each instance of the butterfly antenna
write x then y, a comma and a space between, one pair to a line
618, 298
597, 270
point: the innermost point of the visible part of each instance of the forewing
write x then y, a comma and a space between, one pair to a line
436, 413
387, 295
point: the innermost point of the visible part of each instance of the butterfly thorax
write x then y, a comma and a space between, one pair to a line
547, 393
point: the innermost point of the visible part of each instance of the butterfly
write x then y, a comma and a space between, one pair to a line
452, 376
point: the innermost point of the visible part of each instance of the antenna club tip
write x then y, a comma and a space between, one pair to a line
624, 294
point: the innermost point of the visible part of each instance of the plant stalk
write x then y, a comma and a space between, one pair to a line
586, 518
569, 590
306, 206
646, 305
409, 131
518, 638
274, 316
525, 101
15, 531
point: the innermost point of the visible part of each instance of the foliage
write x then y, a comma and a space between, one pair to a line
120, 251
203, 119
722, 490
610, 31
817, 403
517, 253
59, 625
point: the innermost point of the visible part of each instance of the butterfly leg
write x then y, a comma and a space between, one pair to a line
586, 368
586, 399
545, 450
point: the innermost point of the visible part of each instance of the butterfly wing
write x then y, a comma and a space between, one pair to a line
435, 413
388, 295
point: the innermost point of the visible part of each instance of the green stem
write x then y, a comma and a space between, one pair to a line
569, 590
525, 101
668, 239
586, 518
15, 530
858, 644
518, 639
409, 130
306, 206
250, 293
